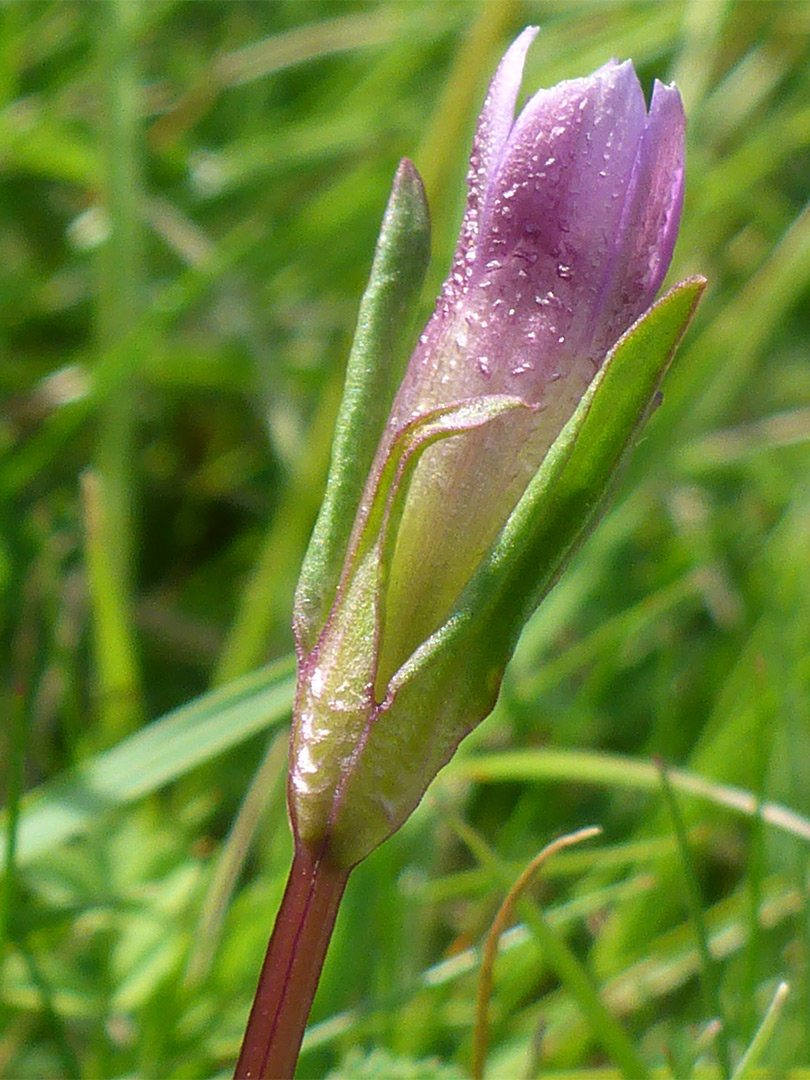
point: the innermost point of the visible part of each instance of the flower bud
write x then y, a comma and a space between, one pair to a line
523, 394
570, 224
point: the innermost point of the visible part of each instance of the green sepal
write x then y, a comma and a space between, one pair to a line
377, 521
452, 681
564, 500
374, 370
335, 703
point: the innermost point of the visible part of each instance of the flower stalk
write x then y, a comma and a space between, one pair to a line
292, 967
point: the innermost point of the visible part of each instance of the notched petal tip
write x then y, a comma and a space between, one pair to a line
666, 102
665, 89
664, 148
622, 87
611, 62
665, 128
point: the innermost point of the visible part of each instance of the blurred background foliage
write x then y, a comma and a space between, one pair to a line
189, 198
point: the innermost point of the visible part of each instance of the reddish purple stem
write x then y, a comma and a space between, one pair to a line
291, 969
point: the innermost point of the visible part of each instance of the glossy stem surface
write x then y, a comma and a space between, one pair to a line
291, 968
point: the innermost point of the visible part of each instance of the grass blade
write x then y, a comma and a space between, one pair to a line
72, 804
709, 978
615, 770
750, 1059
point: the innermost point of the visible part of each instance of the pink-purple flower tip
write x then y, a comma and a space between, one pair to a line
571, 220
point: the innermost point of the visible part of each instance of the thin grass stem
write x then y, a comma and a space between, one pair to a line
758, 1045
499, 926
117, 683
709, 981
574, 976
120, 330
14, 780
229, 864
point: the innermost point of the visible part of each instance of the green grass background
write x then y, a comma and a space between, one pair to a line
189, 198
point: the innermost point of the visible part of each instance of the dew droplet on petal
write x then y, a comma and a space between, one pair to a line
522, 368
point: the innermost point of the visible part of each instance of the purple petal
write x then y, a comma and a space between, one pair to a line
556, 211
651, 218
491, 136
